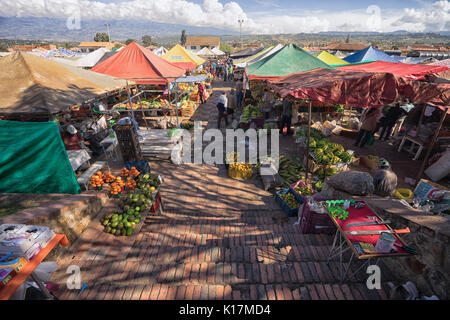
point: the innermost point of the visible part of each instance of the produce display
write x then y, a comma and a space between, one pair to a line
304, 191
323, 173
116, 189
289, 170
97, 180
250, 112
138, 200
124, 172
157, 103
231, 157
187, 125
109, 177
240, 170
314, 133
318, 186
290, 200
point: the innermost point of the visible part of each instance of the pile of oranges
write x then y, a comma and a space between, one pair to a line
124, 172
109, 177
131, 184
134, 172
120, 182
116, 188
97, 180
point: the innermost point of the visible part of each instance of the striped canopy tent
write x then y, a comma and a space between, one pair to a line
183, 58
244, 61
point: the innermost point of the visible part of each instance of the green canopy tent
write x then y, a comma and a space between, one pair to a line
291, 59
33, 159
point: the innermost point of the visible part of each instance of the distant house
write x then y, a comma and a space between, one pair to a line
345, 47
198, 43
92, 46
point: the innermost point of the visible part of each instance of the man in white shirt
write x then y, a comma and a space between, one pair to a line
222, 103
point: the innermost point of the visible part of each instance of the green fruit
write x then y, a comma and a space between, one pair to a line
137, 221
108, 229
113, 230
129, 231
117, 233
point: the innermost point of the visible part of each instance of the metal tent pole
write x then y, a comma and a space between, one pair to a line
129, 101
307, 142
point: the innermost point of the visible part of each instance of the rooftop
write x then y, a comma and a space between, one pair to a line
203, 41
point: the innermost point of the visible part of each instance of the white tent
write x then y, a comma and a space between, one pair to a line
91, 59
206, 52
160, 51
218, 52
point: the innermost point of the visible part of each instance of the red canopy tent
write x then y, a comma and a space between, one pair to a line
359, 89
141, 65
410, 71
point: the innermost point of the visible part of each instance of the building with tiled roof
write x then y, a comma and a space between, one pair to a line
198, 43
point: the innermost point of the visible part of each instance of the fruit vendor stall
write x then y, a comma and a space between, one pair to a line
138, 193
180, 100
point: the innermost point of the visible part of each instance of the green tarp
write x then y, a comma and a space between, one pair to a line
291, 59
33, 159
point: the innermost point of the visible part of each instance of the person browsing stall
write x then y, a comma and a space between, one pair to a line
222, 104
72, 138
385, 180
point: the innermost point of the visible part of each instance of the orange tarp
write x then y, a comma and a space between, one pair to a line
140, 65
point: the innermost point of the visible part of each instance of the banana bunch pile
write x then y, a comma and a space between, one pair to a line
289, 170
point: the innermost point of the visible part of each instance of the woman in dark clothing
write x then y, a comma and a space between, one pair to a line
391, 118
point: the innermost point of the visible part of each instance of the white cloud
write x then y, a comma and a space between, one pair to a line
224, 15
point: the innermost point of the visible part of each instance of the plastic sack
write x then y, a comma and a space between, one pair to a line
440, 169
353, 182
43, 272
270, 177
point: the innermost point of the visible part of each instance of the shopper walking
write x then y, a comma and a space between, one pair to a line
222, 103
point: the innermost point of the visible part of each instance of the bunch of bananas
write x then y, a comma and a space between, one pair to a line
289, 170
240, 170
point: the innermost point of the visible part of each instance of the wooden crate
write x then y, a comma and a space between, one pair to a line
128, 142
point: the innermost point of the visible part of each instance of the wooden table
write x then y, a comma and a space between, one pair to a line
22, 275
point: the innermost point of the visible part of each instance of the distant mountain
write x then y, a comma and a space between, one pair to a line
54, 29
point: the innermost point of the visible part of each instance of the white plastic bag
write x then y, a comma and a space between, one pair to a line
440, 169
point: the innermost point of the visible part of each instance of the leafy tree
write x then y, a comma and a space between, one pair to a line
183, 37
147, 41
129, 41
101, 37
225, 48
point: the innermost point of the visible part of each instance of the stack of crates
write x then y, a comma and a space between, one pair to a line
128, 142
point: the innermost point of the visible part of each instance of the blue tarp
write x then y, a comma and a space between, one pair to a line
369, 53
191, 79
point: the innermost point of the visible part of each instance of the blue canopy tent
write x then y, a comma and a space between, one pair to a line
369, 53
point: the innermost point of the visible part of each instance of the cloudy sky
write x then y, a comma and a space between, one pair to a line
260, 16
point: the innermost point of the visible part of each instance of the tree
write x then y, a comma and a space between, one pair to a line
129, 41
147, 41
225, 48
101, 37
348, 38
183, 37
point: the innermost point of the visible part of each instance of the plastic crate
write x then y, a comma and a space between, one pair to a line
291, 212
300, 184
316, 222
141, 166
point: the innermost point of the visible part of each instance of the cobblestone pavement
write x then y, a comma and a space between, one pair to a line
218, 238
